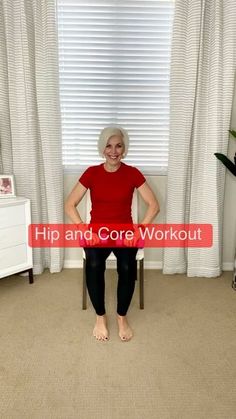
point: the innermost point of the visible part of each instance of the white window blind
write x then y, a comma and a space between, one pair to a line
114, 61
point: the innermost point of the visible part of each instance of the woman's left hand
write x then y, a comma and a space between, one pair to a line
135, 239
93, 241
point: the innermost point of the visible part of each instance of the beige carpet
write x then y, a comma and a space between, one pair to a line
181, 363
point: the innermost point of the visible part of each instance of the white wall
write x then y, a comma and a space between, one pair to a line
229, 242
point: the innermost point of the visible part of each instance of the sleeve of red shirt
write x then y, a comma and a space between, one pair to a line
139, 179
85, 178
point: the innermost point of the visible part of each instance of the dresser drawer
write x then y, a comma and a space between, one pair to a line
13, 256
12, 236
12, 215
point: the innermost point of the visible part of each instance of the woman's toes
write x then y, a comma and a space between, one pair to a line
126, 338
100, 333
125, 332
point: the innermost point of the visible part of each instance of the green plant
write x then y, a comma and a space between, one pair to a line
232, 168
225, 160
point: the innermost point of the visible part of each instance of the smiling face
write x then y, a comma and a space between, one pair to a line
113, 152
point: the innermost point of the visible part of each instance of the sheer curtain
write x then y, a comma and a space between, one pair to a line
202, 82
30, 130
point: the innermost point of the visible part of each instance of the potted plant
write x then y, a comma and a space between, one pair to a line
232, 168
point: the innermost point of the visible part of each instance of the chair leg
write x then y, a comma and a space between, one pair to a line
141, 284
84, 302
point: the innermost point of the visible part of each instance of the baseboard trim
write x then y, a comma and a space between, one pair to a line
228, 266
78, 264
72, 264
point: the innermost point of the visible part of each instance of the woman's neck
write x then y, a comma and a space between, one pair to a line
110, 168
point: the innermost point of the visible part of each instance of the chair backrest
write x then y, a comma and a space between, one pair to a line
134, 208
88, 206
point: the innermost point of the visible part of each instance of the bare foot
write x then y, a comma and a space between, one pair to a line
125, 331
100, 330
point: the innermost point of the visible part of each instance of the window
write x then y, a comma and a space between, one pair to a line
114, 61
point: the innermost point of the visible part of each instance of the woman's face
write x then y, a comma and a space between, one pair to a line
114, 150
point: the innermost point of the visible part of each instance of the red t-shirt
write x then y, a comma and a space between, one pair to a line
111, 192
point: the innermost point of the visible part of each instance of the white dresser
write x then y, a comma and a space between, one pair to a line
15, 253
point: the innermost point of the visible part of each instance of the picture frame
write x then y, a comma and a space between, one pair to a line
7, 186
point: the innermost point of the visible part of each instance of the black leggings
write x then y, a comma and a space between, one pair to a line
95, 270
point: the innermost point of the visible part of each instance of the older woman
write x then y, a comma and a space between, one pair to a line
111, 185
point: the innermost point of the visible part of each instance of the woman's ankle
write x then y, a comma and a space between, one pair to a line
121, 317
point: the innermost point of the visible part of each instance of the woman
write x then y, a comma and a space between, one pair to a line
111, 186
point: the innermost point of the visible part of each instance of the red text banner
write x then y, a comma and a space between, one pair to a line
120, 235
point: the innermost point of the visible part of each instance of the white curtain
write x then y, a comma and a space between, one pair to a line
30, 132
202, 83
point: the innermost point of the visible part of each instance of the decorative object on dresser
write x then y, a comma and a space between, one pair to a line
15, 252
7, 186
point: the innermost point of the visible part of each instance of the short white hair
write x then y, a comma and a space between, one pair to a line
109, 132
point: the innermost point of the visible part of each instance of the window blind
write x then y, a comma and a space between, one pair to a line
114, 62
